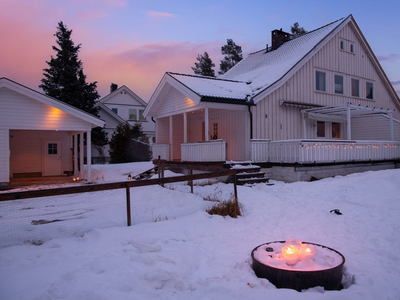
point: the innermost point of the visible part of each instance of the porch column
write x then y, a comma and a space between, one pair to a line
348, 123
185, 127
171, 139
75, 153
304, 125
89, 156
206, 123
391, 127
81, 155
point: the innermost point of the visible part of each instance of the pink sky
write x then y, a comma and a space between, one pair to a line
134, 43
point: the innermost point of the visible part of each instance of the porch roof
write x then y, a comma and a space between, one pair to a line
339, 113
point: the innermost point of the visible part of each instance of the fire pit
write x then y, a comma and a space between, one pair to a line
298, 265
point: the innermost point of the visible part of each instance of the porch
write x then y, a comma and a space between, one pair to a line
299, 151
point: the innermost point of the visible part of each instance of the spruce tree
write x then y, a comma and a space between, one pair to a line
129, 144
233, 54
296, 30
204, 66
64, 80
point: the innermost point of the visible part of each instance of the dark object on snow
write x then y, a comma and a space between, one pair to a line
269, 249
336, 211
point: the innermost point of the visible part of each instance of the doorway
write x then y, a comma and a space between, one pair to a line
52, 158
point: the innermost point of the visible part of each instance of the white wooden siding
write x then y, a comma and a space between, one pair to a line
162, 131
375, 127
173, 103
276, 122
232, 129
205, 151
26, 150
21, 112
4, 156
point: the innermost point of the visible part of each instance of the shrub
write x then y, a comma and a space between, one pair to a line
227, 208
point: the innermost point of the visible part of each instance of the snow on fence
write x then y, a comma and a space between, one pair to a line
36, 216
214, 150
323, 151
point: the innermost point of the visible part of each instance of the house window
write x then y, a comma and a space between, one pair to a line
338, 84
355, 87
320, 129
336, 130
370, 90
52, 148
320, 81
341, 45
141, 117
351, 48
215, 131
114, 110
132, 114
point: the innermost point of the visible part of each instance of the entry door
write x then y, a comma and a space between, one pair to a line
213, 128
52, 158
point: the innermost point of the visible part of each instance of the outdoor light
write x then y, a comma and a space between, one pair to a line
129, 177
307, 251
291, 251
76, 177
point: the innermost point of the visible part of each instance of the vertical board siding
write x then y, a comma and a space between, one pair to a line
26, 150
162, 130
284, 122
177, 123
375, 127
4, 159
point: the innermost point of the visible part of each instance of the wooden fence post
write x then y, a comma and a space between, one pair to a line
235, 188
191, 181
128, 206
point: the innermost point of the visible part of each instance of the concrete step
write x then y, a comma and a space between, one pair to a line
250, 175
242, 181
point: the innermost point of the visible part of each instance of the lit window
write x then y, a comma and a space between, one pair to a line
338, 84
141, 117
320, 129
132, 114
370, 90
336, 130
355, 87
320, 81
115, 110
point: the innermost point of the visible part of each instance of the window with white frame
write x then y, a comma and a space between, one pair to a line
320, 129
355, 87
370, 90
338, 84
114, 110
141, 117
320, 81
132, 114
335, 130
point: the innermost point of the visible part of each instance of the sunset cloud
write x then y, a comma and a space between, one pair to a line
158, 14
390, 57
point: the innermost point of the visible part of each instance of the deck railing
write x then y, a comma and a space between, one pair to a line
161, 150
323, 151
214, 150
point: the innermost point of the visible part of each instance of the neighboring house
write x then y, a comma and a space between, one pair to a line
321, 97
37, 134
120, 106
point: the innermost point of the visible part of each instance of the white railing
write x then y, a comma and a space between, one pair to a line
161, 150
310, 151
214, 150
259, 150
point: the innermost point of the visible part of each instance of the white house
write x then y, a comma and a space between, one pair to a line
321, 97
123, 105
37, 134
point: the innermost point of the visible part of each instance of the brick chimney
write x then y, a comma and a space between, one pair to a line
278, 37
113, 87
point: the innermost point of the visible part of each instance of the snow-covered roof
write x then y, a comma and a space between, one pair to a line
263, 68
210, 87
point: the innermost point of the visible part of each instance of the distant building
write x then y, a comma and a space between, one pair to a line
120, 106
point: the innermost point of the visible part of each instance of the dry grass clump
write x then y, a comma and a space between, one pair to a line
229, 208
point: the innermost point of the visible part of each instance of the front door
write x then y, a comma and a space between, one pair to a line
52, 158
213, 129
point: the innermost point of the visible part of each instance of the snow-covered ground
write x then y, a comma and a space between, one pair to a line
187, 254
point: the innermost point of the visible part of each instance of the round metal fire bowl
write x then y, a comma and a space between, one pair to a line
298, 280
